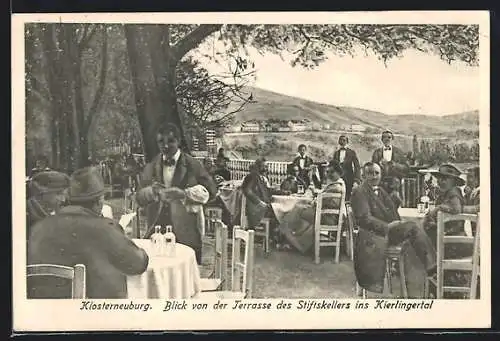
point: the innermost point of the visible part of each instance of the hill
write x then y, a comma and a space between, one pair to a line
269, 105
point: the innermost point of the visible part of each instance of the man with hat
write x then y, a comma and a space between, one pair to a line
47, 194
449, 200
79, 234
393, 163
173, 188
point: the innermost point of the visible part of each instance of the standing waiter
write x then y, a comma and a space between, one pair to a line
349, 161
174, 186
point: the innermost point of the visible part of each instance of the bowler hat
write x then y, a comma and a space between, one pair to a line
450, 171
86, 184
48, 182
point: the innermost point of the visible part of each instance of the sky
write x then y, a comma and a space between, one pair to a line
417, 83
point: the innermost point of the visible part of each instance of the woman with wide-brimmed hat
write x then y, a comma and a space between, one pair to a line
450, 200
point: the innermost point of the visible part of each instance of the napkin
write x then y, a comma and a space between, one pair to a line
126, 219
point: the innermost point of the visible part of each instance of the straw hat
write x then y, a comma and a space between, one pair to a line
449, 171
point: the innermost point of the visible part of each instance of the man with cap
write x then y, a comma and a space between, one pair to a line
393, 163
381, 226
349, 161
173, 188
79, 234
47, 194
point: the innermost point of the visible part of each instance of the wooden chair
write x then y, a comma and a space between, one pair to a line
352, 230
263, 230
213, 215
75, 274
217, 279
242, 270
323, 232
462, 264
394, 255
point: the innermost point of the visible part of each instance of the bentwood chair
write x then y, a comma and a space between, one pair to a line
39, 273
468, 264
262, 230
328, 234
213, 215
242, 269
218, 278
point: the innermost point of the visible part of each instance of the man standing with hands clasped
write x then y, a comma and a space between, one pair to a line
174, 186
349, 161
393, 163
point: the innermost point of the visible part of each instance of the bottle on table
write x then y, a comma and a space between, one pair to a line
169, 242
156, 239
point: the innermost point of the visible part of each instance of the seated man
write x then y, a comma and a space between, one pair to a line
221, 169
79, 234
47, 194
380, 226
291, 184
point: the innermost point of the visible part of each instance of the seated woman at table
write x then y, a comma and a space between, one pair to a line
298, 225
450, 200
291, 184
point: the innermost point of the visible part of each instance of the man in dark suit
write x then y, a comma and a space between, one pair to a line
349, 161
174, 186
393, 163
381, 226
79, 234
305, 164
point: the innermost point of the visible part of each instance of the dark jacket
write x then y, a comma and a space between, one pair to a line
189, 172
304, 171
373, 214
291, 184
397, 167
255, 189
77, 235
223, 172
350, 166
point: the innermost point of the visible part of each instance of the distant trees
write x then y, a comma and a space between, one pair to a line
435, 152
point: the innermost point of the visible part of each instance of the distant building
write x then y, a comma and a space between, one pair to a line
327, 126
297, 126
235, 128
358, 128
283, 129
250, 127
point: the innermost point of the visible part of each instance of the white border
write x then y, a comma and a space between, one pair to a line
56, 315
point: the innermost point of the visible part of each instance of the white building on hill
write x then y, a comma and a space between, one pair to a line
358, 128
250, 127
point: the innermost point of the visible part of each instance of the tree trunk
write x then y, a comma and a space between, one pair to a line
153, 77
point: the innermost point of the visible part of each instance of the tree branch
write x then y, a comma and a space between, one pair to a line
192, 40
86, 38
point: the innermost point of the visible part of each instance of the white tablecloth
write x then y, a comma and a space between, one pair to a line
166, 277
410, 213
283, 204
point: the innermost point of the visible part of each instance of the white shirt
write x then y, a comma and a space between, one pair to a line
342, 155
168, 171
387, 154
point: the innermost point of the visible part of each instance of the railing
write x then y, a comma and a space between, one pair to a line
411, 186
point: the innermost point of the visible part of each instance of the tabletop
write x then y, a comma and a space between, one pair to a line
408, 212
166, 277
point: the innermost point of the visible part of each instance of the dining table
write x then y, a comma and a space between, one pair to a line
175, 276
413, 214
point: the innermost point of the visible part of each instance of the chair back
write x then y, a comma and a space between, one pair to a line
242, 269
243, 213
324, 207
213, 215
76, 276
220, 264
464, 264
